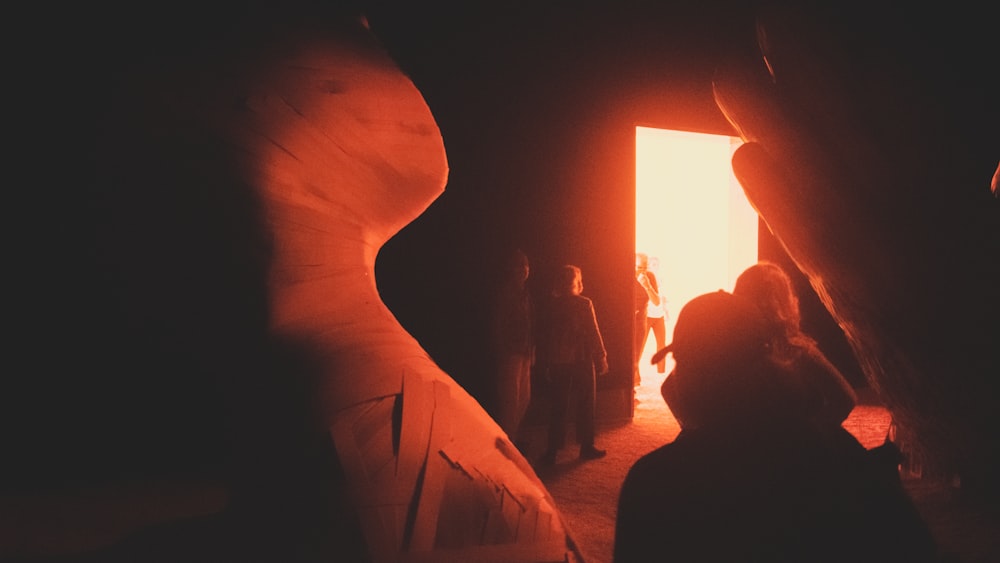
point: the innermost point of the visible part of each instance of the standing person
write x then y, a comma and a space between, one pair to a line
748, 479
513, 344
829, 396
640, 299
656, 314
571, 352
651, 292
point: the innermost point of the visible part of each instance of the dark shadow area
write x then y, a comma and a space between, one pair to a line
140, 350
149, 394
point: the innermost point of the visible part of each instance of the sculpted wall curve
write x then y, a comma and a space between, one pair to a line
878, 186
342, 153
243, 185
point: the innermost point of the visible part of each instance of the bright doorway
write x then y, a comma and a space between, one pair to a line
692, 219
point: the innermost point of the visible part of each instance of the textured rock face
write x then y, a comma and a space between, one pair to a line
244, 192
341, 152
878, 192
201, 223
346, 154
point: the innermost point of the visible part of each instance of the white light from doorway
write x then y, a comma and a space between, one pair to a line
692, 217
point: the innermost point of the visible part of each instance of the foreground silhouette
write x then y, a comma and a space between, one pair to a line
751, 477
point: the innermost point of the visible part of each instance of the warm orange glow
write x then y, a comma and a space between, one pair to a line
692, 215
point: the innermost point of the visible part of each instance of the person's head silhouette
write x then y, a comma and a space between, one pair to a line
723, 373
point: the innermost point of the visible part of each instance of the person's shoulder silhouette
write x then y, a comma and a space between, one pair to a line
749, 478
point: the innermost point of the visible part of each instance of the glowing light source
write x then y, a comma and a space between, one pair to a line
692, 215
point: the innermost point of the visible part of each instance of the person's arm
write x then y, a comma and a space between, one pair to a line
595, 342
837, 396
648, 282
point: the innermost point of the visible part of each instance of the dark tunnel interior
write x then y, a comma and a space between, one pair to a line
127, 303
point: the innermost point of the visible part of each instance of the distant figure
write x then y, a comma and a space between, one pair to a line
749, 479
656, 314
651, 298
513, 344
640, 300
570, 352
829, 396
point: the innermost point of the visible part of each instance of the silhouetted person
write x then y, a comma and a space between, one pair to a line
648, 295
513, 344
570, 352
830, 398
640, 299
656, 307
750, 478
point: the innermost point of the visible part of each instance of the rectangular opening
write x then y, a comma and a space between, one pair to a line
692, 220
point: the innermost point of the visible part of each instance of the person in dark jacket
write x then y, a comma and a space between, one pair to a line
570, 354
513, 345
751, 477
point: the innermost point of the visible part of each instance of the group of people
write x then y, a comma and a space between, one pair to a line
762, 458
560, 336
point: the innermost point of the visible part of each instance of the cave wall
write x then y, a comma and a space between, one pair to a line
538, 110
870, 157
105, 392
900, 270
218, 330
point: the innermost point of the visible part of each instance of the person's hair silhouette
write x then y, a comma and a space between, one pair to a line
829, 396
